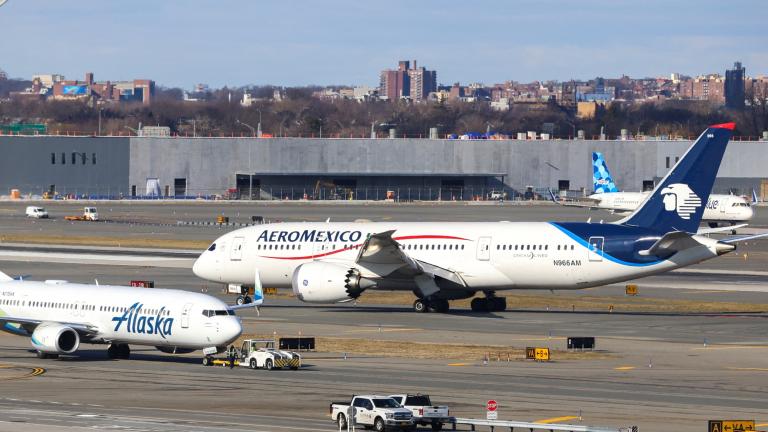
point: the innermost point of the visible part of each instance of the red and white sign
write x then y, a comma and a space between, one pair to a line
491, 413
491, 405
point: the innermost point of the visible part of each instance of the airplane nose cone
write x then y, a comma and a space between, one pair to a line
232, 330
202, 267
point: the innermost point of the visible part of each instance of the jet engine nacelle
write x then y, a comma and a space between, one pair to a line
321, 282
55, 339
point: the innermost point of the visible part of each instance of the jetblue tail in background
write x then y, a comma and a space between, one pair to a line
601, 177
677, 203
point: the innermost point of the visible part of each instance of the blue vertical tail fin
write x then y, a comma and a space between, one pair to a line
601, 177
677, 203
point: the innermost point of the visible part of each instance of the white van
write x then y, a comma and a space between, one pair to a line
37, 212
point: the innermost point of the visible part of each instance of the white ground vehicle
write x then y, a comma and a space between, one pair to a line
379, 412
90, 213
497, 195
261, 353
424, 413
37, 212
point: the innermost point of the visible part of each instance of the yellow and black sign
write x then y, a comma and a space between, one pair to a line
541, 354
731, 426
631, 289
536, 353
530, 353
270, 291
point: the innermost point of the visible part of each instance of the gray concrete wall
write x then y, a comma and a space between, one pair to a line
25, 164
210, 164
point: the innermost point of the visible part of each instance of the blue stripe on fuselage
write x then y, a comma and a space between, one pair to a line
621, 243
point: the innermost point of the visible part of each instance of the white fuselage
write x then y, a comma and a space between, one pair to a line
142, 316
487, 255
720, 208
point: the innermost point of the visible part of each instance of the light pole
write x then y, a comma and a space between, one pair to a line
258, 129
253, 131
100, 110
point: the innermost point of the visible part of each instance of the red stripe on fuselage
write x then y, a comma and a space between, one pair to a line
333, 252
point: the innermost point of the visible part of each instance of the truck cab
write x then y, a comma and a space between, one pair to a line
379, 412
90, 213
424, 413
261, 353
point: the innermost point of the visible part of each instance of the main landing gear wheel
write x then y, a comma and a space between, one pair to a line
241, 300
45, 356
489, 304
431, 305
440, 305
119, 351
420, 305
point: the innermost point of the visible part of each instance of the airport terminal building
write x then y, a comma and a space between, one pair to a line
314, 168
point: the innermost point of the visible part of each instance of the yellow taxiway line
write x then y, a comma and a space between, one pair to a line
556, 419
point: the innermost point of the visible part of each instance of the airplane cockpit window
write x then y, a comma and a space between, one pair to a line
212, 247
218, 312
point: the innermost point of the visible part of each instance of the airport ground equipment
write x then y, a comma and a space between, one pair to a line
89, 214
379, 412
36, 212
259, 354
424, 412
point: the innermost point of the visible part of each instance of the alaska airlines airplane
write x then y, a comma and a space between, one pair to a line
720, 209
337, 262
59, 316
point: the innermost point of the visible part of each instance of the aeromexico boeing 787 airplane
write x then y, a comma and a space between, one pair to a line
335, 262
58, 316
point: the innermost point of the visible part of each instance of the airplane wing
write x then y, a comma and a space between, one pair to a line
736, 239
22, 325
670, 244
382, 255
564, 203
719, 229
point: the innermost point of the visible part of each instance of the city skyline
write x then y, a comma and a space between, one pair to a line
346, 43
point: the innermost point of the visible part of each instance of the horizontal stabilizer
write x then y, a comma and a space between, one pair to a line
670, 244
5, 278
737, 239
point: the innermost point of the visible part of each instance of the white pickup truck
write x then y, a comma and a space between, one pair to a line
379, 412
424, 413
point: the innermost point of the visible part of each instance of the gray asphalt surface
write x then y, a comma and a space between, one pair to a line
662, 372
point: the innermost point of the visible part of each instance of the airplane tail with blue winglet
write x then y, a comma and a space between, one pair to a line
677, 203
601, 177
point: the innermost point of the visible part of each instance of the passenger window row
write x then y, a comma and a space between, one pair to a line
431, 247
531, 247
75, 306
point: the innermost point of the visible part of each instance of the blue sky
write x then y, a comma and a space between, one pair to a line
300, 42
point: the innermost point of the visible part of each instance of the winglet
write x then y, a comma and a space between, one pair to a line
730, 126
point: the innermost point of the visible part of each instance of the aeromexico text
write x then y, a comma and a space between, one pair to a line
310, 236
